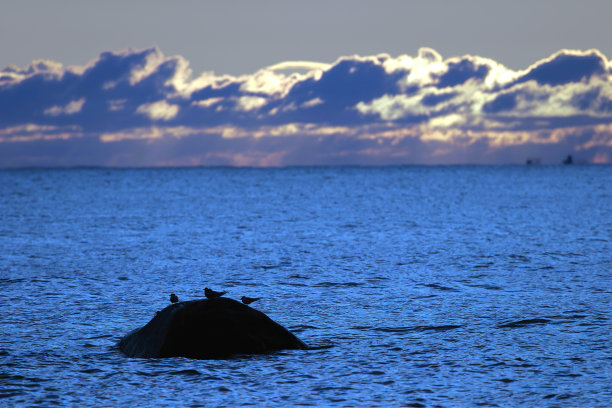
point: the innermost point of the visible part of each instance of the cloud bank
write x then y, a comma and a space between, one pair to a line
141, 108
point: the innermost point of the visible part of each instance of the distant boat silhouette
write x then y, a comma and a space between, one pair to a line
534, 160
568, 159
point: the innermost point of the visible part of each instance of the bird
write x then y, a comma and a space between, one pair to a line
248, 300
211, 294
173, 298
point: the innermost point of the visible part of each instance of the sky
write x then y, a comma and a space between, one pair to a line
280, 83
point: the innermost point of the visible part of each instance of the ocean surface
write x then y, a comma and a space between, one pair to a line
415, 286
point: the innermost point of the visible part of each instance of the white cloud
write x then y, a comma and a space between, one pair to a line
69, 109
452, 120
160, 110
152, 132
422, 68
267, 82
299, 66
312, 102
153, 59
207, 103
247, 103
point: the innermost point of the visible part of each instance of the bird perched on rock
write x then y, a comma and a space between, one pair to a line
248, 300
173, 298
212, 294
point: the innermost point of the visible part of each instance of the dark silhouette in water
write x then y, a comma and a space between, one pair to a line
568, 159
211, 294
208, 329
173, 298
248, 300
533, 160
522, 323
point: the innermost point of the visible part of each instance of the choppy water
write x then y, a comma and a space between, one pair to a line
433, 286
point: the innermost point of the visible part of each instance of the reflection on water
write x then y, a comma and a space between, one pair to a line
452, 286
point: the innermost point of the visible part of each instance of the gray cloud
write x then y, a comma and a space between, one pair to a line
138, 107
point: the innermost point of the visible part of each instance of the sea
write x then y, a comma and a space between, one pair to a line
441, 286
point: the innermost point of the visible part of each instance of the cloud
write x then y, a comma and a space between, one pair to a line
565, 67
139, 107
458, 72
70, 108
160, 110
299, 66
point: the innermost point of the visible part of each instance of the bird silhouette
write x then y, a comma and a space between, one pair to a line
248, 300
212, 294
173, 298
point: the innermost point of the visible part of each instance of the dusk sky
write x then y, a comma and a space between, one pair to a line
278, 83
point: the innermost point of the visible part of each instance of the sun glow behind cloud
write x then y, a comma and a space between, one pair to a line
138, 107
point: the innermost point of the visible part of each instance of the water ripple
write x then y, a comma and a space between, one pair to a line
523, 323
440, 328
438, 286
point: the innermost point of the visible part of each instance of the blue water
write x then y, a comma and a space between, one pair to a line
417, 286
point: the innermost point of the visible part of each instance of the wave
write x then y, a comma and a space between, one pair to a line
523, 323
443, 327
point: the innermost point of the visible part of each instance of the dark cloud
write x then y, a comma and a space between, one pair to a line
346, 83
502, 102
586, 100
593, 100
107, 79
434, 99
566, 67
231, 89
460, 71
332, 97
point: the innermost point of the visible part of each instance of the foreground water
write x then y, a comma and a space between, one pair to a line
418, 286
